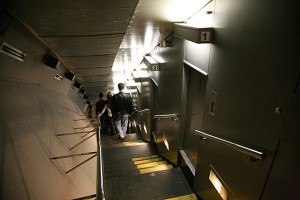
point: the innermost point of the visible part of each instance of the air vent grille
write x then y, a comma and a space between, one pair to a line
12, 52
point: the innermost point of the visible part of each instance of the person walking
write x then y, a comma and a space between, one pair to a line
99, 107
122, 108
107, 107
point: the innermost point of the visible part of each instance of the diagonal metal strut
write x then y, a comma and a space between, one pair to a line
73, 155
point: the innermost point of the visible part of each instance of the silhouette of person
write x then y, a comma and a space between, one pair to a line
122, 108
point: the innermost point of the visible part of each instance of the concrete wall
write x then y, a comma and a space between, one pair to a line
34, 108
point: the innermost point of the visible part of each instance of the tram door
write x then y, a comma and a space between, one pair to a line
147, 108
153, 108
137, 106
133, 120
196, 86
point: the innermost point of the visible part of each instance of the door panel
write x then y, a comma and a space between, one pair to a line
194, 112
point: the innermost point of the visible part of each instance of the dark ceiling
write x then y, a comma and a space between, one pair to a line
100, 40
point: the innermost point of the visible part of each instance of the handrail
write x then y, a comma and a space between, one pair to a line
165, 116
251, 152
144, 110
100, 191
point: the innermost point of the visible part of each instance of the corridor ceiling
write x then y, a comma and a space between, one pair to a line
101, 41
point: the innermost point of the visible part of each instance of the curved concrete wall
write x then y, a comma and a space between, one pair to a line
34, 108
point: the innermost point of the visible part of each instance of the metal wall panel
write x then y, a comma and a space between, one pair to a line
145, 109
283, 182
194, 111
253, 73
169, 97
138, 108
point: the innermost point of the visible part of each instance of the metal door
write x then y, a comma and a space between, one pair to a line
136, 117
147, 108
153, 108
194, 112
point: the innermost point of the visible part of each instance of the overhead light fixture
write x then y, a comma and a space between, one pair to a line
145, 129
58, 77
193, 34
165, 140
12, 52
151, 63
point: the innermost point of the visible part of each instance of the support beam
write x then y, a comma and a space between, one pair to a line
81, 163
73, 155
75, 133
82, 141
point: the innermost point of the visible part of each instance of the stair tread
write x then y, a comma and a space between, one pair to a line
133, 169
155, 185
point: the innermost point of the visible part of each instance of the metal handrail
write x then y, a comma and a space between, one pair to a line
144, 110
100, 191
251, 152
165, 116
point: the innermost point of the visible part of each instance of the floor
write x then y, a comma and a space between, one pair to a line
134, 171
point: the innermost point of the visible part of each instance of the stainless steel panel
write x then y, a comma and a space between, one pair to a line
244, 177
137, 117
167, 142
194, 111
198, 55
169, 79
153, 110
145, 108
252, 70
283, 182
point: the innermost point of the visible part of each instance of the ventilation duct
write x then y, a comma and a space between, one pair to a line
12, 52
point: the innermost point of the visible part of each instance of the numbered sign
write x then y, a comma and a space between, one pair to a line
155, 67
193, 34
205, 36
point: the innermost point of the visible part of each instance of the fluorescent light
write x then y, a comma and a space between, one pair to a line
145, 129
218, 183
166, 141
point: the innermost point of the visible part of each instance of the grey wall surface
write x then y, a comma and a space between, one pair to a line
34, 108
254, 69
169, 80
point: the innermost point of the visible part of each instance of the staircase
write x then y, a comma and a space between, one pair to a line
134, 171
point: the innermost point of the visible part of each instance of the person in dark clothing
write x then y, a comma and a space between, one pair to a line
99, 107
88, 110
107, 108
122, 108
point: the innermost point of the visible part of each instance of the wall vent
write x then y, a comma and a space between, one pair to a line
12, 52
